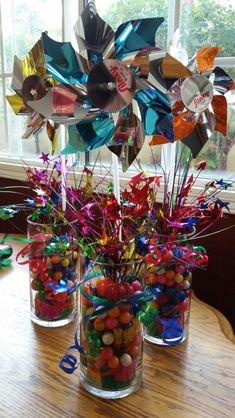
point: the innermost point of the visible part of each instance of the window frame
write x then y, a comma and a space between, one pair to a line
11, 167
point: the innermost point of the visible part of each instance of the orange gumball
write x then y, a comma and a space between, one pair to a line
55, 259
58, 275
125, 317
114, 312
134, 351
99, 324
113, 362
102, 284
170, 274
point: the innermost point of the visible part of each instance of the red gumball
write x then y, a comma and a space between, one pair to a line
137, 286
106, 353
111, 323
112, 292
183, 306
129, 289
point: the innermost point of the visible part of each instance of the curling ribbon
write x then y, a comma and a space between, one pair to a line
68, 363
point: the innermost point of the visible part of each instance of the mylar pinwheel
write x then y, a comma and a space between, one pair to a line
198, 100
119, 88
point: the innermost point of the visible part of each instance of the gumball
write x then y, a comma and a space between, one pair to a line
114, 312
178, 253
55, 259
111, 323
161, 279
136, 285
189, 276
113, 362
57, 275
121, 291
106, 353
183, 306
129, 289
185, 284
170, 274
99, 324
125, 318
100, 362
65, 262
108, 338
134, 351
181, 296
112, 292
179, 278
180, 269
126, 360
102, 284
72, 275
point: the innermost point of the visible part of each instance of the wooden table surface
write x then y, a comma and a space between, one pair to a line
194, 379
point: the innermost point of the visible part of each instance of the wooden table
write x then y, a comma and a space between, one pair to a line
194, 379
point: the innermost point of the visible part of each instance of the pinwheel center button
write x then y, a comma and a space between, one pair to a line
111, 85
196, 93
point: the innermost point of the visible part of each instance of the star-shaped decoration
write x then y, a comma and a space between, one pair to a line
45, 158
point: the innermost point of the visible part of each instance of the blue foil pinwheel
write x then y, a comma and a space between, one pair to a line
118, 88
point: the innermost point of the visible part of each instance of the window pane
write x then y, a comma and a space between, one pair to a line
3, 142
30, 20
23, 21
208, 23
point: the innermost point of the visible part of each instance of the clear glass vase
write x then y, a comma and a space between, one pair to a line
111, 336
169, 269
52, 259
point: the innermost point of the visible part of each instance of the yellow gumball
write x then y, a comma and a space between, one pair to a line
65, 262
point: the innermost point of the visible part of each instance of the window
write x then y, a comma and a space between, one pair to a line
21, 23
200, 24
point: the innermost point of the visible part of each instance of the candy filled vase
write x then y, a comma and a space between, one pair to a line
52, 259
169, 267
111, 336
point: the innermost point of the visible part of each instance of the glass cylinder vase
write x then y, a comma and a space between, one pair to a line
169, 268
52, 259
111, 336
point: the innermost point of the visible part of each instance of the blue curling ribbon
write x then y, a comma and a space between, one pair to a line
172, 333
69, 362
